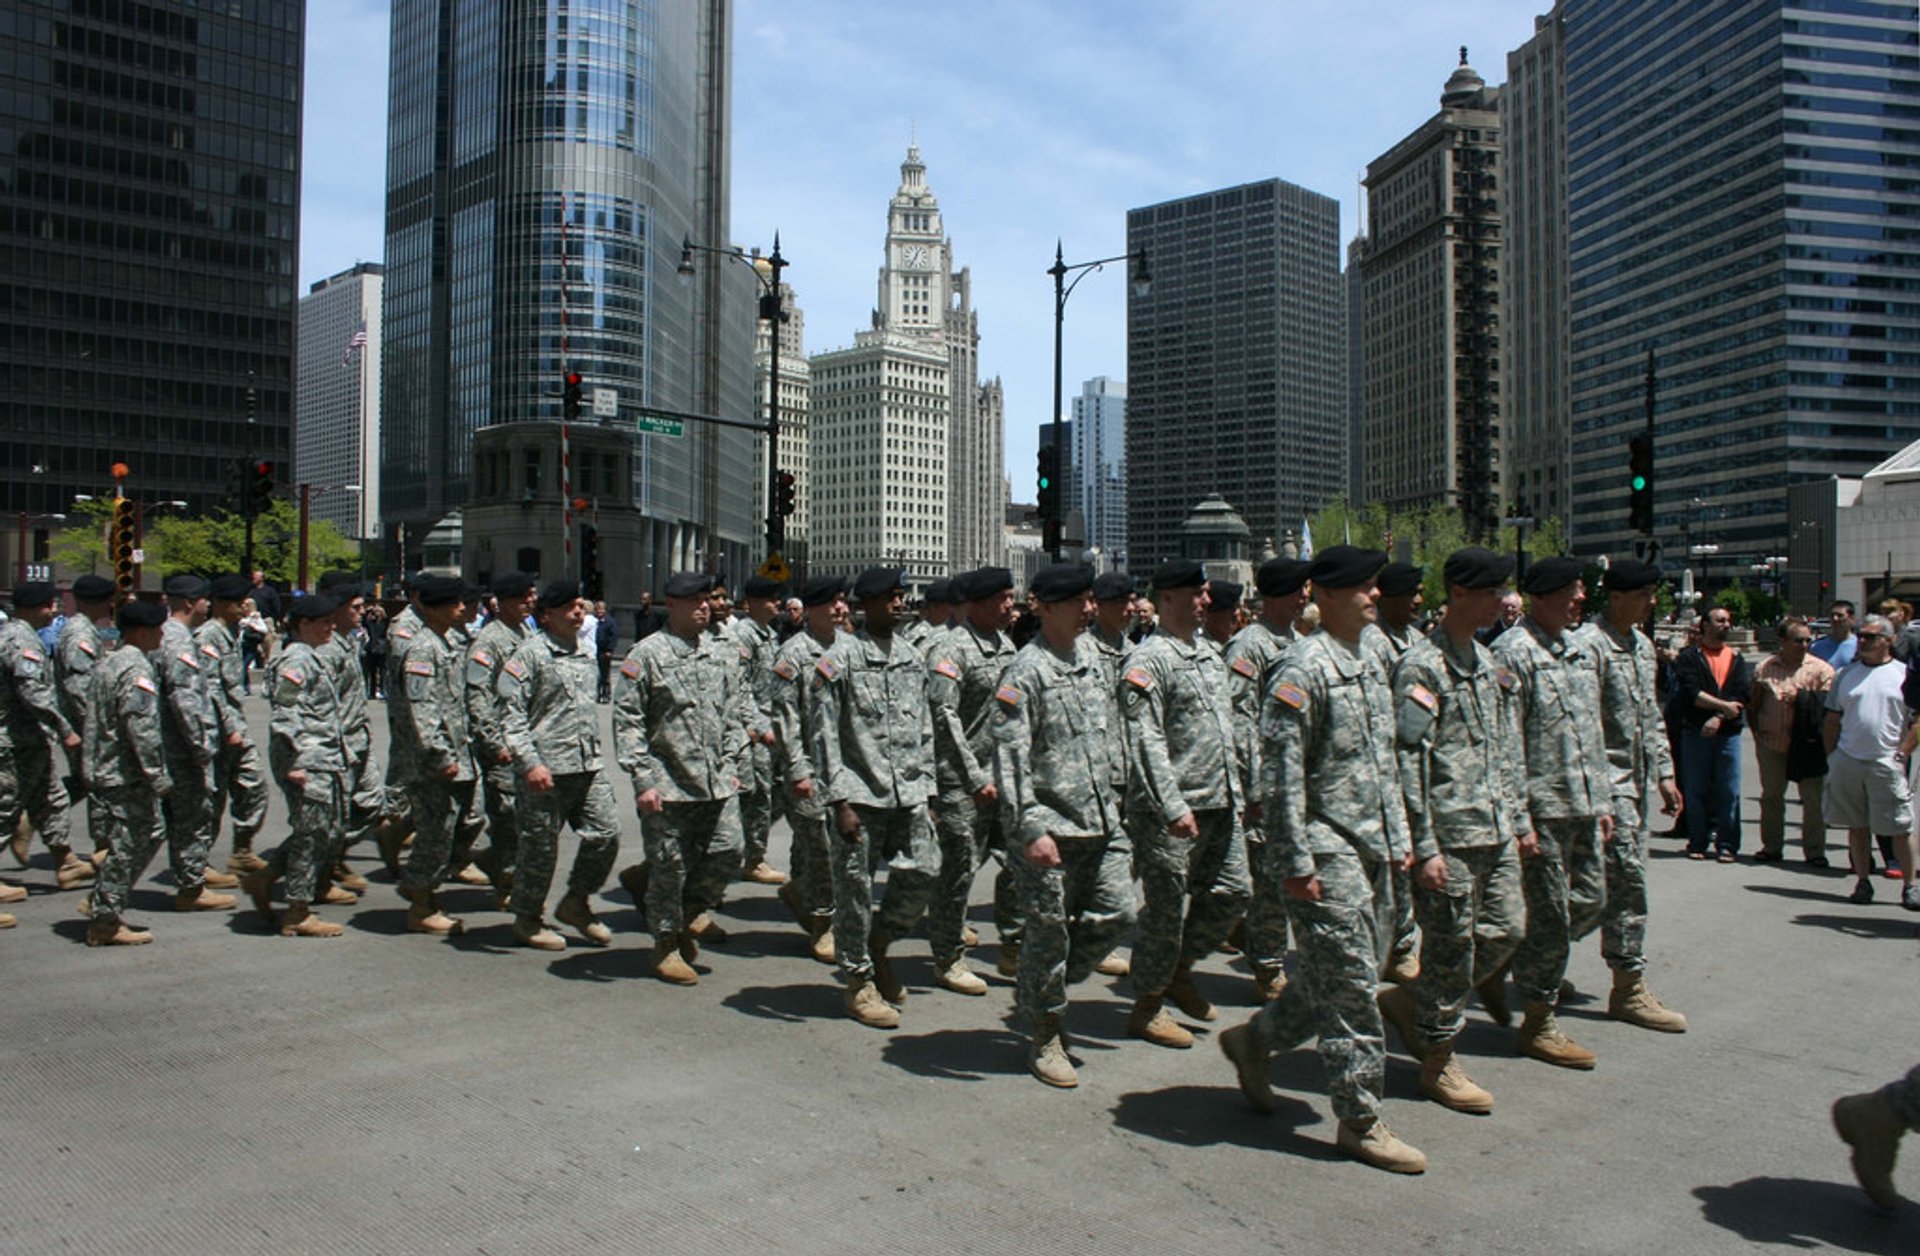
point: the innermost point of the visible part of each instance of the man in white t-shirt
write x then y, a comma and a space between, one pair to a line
1867, 787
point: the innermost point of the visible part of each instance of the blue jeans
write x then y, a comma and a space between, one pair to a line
1710, 781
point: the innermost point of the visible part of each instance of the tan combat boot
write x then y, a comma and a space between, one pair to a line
670, 966
576, 912
1114, 964
823, 948
864, 1004
969, 937
300, 922
70, 871
21, 840
789, 896
1268, 983
1868, 1124
116, 933
890, 986
764, 873
1542, 1038
1402, 969
704, 928
534, 933
960, 979
8, 920
1396, 1008
12, 893
258, 885
347, 879
470, 874
214, 879
1633, 1003
1493, 996
1008, 964
1447, 1084
389, 834
1188, 999
1376, 1145
337, 895
634, 879
1242, 1047
243, 860
1047, 1056
1149, 1022
425, 916
202, 899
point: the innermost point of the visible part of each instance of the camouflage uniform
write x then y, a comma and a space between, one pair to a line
1332, 801
308, 734
127, 772
401, 631
31, 725
1110, 655
963, 670
1569, 786
237, 779
363, 784
427, 726
1457, 756
760, 803
679, 726
1253, 662
549, 717
873, 750
81, 649
1181, 759
793, 763
1637, 752
499, 785
1390, 645
1050, 762
191, 735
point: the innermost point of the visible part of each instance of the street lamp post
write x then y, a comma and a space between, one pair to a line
1051, 521
772, 310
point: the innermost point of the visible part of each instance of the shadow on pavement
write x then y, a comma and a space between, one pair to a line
1863, 926
73, 930
1810, 896
612, 963
1801, 1213
1209, 1116
963, 1055
792, 1004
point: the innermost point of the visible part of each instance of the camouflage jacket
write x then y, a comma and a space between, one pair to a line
495, 644
548, 715
226, 685
679, 717
29, 699
872, 723
1180, 754
122, 743
191, 727
1635, 730
1050, 741
1557, 711
427, 713
305, 733
963, 670
81, 649
1458, 748
1253, 661
792, 729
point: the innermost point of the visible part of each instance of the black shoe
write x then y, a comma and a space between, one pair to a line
1819, 861
1766, 856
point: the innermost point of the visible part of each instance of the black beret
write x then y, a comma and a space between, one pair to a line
1477, 568
514, 584
1345, 566
987, 582
31, 593
315, 606
939, 593
438, 590
822, 590
1550, 575
1180, 573
1281, 577
237, 588
1400, 579
1224, 595
1112, 587
186, 586
878, 583
137, 614
761, 586
1625, 575
92, 588
472, 594
957, 594
1061, 581
559, 593
689, 584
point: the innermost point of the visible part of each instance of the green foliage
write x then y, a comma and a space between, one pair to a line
82, 544
1737, 601
1430, 534
212, 544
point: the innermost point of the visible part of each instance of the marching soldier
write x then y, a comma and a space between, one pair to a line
237, 779
31, 724
127, 768
1637, 750
1069, 857
1106, 632
307, 749
515, 595
679, 732
760, 803
1336, 824
964, 666
873, 758
81, 648
934, 617
431, 748
809, 895
1394, 633
550, 720
366, 795
1185, 801
191, 736
1569, 800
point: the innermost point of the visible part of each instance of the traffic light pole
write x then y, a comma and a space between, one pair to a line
1053, 521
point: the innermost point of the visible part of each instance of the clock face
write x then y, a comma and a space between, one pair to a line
914, 255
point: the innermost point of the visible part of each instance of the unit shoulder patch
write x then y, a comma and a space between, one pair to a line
1503, 678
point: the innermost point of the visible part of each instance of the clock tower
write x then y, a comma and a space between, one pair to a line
914, 283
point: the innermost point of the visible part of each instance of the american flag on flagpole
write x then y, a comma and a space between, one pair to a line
356, 341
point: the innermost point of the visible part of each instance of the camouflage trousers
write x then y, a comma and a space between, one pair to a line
966, 832
468, 824
189, 812
1623, 917
29, 783
1565, 891
1406, 938
1343, 939
694, 851
437, 805
1266, 933
811, 864
1193, 892
760, 805
901, 838
239, 785
499, 794
367, 796
135, 830
585, 801
1904, 1096
1468, 928
1073, 916
317, 830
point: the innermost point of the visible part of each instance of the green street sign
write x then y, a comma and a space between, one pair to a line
652, 425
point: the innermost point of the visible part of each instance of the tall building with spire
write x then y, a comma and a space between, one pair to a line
908, 466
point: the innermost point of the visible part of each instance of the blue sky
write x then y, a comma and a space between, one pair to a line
1038, 120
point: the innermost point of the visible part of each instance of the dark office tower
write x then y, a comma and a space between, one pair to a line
1743, 180
149, 233
1236, 363
545, 161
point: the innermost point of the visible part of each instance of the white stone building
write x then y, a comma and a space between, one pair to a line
336, 408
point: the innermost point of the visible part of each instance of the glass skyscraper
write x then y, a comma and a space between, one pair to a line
545, 161
1743, 202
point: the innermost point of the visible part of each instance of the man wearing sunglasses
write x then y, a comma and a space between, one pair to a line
1865, 729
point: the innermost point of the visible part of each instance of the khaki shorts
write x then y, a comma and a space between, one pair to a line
1871, 795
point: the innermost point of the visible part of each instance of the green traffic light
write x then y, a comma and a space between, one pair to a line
1046, 483
1639, 483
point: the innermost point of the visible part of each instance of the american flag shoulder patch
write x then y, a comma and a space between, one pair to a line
630, 669
141, 682
1244, 666
1423, 695
516, 669
784, 669
827, 667
211, 650
1292, 695
1139, 678
32, 656
1008, 694
483, 658
295, 675
947, 668
419, 667
190, 661
88, 648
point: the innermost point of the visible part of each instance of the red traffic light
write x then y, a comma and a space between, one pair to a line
263, 468
573, 379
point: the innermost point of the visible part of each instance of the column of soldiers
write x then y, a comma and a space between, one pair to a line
1426, 815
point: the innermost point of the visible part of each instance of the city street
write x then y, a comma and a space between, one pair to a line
226, 1090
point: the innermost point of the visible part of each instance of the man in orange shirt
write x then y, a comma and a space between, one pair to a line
1714, 684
